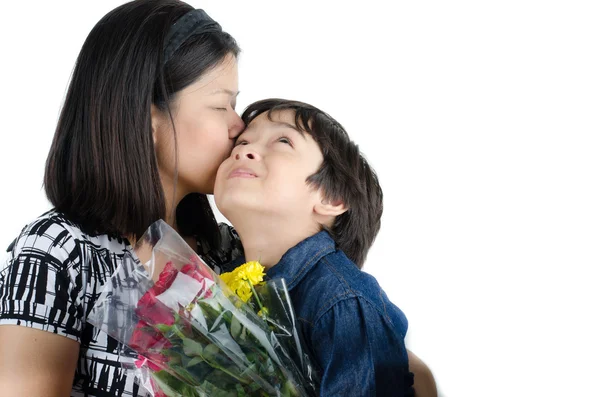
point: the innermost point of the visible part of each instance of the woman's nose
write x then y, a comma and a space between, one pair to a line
236, 126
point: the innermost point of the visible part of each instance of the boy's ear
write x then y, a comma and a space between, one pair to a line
330, 207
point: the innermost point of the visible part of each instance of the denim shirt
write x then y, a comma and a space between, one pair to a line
353, 332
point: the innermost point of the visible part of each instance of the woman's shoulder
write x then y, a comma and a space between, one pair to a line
56, 271
54, 234
51, 231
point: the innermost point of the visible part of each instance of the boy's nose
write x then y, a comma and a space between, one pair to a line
247, 154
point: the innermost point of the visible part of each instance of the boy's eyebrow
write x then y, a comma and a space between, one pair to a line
276, 124
288, 125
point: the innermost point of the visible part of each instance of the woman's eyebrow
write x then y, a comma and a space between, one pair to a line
225, 91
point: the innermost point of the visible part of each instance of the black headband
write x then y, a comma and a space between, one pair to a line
194, 22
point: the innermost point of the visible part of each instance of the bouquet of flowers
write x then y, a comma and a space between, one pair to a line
197, 334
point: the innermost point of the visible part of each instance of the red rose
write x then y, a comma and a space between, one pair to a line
153, 311
141, 361
150, 344
198, 267
161, 358
199, 274
150, 309
157, 391
146, 339
165, 279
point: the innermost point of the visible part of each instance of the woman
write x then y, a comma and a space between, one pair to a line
148, 117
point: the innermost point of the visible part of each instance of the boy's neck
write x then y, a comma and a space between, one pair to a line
266, 239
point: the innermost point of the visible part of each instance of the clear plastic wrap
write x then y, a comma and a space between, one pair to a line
194, 336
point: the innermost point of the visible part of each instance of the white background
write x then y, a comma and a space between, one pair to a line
482, 120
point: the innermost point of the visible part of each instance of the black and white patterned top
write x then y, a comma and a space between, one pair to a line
50, 280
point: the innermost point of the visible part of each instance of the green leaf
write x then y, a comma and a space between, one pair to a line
192, 348
174, 359
194, 361
211, 351
189, 392
289, 389
214, 391
184, 374
164, 328
236, 327
168, 383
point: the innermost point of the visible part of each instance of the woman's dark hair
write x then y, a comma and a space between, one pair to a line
345, 175
101, 170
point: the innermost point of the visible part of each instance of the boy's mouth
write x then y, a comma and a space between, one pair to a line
242, 173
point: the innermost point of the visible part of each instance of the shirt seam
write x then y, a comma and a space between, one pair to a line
337, 274
387, 317
359, 294
343, 297
310, 262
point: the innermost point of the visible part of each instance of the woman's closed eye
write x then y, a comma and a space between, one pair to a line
225, 108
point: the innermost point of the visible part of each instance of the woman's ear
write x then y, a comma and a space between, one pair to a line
156, 119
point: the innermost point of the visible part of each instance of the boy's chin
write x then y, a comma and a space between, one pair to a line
233, 207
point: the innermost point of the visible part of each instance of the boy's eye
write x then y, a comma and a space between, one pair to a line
285, 140
241, 142
221, 109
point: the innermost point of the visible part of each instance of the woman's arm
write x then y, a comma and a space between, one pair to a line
36, 363
424, 382
41, 311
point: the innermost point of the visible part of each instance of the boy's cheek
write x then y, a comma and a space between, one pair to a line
223, 165
220, 172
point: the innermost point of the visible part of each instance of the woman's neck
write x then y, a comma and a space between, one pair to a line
173, 195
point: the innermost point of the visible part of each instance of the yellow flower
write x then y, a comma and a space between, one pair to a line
226, 277
239, 280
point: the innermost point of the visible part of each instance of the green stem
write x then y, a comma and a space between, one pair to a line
255, 295
178, 332
217, 366
211, 363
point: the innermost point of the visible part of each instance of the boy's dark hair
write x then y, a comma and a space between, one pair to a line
102, 170
344, 175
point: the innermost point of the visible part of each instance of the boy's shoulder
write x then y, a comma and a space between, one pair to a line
335, 279
344, 277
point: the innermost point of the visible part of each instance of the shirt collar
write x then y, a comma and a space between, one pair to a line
300, 259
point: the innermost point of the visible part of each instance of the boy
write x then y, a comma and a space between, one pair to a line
308, 206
